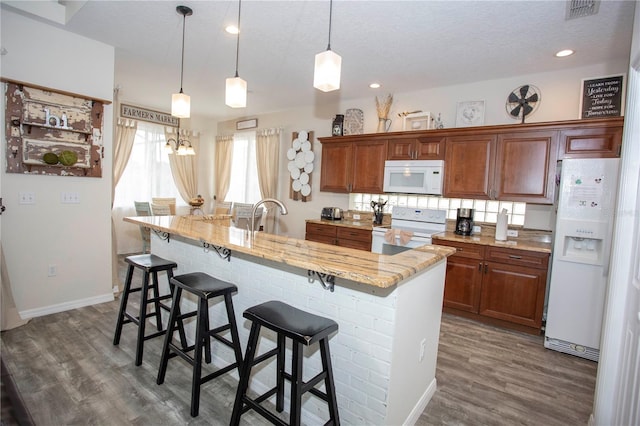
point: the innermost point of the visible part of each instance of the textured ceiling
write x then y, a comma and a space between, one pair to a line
404, 45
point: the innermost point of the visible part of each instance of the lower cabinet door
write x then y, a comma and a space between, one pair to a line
463, 284
513, 293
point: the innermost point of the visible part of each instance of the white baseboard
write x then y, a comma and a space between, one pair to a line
422, 404
66, 306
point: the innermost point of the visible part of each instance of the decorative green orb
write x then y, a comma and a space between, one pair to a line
50, 158
68, 158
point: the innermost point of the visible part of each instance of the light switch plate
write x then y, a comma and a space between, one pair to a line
477, 229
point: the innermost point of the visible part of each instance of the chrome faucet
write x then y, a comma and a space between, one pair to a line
283, 210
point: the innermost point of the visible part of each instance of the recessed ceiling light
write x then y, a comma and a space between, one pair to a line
375, 85
563, 53
232, 29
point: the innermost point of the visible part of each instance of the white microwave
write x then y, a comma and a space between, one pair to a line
414, 176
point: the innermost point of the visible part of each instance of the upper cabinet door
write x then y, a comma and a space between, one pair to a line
368, 164
594, 142
335, 174
468, 168
420, 148
525, 166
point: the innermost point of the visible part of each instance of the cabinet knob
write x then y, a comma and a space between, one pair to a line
480, 267
486, 268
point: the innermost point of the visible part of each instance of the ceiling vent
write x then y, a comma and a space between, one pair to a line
581, 8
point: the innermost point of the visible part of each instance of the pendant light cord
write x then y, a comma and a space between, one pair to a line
330, 13
184, 19
238, 37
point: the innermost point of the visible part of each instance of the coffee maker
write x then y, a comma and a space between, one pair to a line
464, 222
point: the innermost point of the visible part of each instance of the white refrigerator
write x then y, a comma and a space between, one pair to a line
582, 247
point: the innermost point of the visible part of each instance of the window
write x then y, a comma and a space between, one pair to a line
244, 186
148, 173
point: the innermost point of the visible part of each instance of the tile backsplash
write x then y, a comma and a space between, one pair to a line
485, 210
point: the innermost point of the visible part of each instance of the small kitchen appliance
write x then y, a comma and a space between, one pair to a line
464, 222
331, 213
377, 207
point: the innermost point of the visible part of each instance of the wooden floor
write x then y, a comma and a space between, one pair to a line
69, 372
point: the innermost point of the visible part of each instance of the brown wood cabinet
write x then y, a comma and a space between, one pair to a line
498, 285
518, 166
591, 142
343, 236
416, 148
507, 162
352, 166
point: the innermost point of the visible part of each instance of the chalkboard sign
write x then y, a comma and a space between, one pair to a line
602, 97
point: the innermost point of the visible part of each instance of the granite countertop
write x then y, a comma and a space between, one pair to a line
527, 240
356, 265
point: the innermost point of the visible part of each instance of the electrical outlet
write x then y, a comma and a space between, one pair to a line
477, 229
27, 198
52, 271
356, 217
423, 345
70, 198
512, 233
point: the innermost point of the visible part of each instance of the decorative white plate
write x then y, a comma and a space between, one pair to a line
300, 160
305, 190
304, 178
303, 135
305, 146
296, 185
309, 156
291, 154
296, 144
308, 168
291, 165
295, 173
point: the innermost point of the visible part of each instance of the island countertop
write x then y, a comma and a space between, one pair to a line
356, 265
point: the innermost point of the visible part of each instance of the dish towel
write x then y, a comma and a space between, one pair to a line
393, 235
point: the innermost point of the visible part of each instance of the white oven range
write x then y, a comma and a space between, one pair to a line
410, 228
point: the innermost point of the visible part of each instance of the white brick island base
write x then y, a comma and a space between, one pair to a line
384, 354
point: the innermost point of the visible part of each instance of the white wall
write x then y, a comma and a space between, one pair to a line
560, 94
76, 238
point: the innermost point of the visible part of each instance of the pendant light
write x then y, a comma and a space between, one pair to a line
326, 74
236, 88
179, 146
181, 103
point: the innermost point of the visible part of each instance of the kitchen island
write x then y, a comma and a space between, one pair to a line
388, 309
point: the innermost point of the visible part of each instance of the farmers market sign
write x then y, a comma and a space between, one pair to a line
137, 113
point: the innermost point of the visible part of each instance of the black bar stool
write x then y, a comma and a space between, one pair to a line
150, 264
204, 287
302, 328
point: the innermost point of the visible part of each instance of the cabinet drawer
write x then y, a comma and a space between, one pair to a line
531, 259
471, 251
353, 234
355, 244
317, 228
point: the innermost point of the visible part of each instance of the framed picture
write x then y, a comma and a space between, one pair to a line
417, 121
247, 124
602, 97
469, 113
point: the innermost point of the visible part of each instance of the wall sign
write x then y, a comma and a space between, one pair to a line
247, 124
137, 113
602, 97
52, 132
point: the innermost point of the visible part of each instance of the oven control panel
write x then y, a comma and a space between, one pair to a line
419, 215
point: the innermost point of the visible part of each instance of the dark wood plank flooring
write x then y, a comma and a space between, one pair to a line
68, 372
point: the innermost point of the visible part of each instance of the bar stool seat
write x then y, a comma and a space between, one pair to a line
302, 328
150, 265
204, 287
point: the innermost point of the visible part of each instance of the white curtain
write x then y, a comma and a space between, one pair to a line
184, 168
267, 158
125, 135
224, 154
